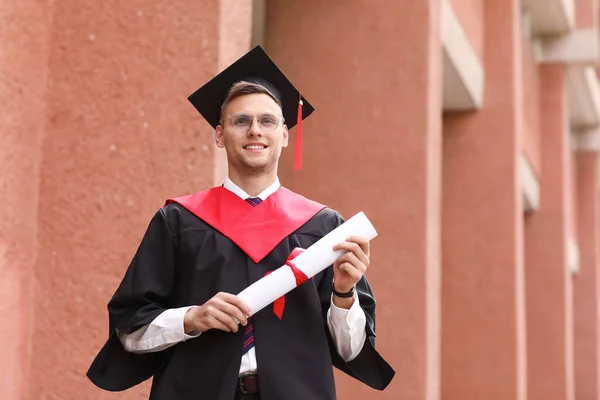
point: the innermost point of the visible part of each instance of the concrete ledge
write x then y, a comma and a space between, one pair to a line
586, 141
584, 97
551, 17
576, 47
463, 72
530, 186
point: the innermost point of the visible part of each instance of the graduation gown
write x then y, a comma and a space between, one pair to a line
213, 241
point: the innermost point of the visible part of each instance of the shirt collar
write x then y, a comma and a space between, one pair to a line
229, 185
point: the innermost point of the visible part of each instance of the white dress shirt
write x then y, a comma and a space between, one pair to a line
347, 327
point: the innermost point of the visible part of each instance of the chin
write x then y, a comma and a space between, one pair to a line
257, 166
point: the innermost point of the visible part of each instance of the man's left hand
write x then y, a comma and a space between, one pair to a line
350, 267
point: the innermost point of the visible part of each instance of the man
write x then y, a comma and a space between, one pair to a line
176, 318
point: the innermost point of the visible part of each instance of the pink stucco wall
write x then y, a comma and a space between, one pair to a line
470, 14
548, 279
373, 145
483, 315
586, 14
120, 137
531, 106
96, 131
586, 320
23, 75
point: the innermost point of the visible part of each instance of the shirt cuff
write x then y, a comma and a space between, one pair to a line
346, 317
164, 331
175, 319
347, 328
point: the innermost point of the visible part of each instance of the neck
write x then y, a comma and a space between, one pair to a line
253, 184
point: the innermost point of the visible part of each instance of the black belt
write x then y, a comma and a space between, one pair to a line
247, 384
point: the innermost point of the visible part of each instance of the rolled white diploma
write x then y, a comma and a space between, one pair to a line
312, 261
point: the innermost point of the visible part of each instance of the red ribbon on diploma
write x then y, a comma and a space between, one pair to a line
279, 304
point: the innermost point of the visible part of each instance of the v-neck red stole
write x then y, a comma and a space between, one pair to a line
255, 230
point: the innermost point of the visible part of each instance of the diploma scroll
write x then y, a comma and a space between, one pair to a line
311, 261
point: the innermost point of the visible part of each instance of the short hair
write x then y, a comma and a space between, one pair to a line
243, 88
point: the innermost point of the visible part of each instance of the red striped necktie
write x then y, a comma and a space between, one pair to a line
249, 335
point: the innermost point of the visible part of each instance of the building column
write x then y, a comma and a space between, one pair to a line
234, 40
121, 137
373, 73
23, 78
483, 308
586, 295
547, 240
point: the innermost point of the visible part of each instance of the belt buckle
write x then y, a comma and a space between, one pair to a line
242, 386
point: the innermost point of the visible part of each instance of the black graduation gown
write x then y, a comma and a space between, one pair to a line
183, 260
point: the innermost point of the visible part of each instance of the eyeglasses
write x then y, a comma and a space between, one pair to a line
266, 122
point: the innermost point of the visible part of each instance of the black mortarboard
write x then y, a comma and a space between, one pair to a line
255, 66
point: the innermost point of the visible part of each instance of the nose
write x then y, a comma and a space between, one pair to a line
254, 129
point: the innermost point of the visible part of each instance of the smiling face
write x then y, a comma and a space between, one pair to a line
253, 151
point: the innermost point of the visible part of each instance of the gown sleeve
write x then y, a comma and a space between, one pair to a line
144, 293
369, 366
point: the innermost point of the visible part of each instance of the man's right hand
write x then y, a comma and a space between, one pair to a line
217, 313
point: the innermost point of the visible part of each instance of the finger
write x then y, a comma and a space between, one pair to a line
352, 272
352, 247
214, 323
352, 260
354, 255
358, 239
362, 241
236, 301
224, 318
231, 310
360, 252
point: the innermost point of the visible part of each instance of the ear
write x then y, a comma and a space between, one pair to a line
286, 136
219, 137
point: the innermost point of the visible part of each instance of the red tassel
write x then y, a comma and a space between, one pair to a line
298, 154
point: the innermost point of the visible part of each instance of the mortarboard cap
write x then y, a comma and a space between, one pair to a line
255, 66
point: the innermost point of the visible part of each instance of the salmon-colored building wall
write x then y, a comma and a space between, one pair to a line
586, 282
475, 298
25, 24
483, 315
470, 14
586, 13
374, 145
119, 138
531, 106
547, 276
